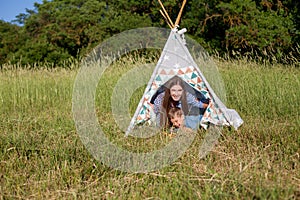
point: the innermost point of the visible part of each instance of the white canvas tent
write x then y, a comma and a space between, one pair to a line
176, 60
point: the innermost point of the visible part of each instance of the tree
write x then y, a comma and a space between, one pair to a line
10, 40
250, 27
57, 30
75, 26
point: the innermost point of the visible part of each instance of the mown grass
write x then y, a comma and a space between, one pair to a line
42, 156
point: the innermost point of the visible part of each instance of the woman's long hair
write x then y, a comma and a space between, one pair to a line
168, 101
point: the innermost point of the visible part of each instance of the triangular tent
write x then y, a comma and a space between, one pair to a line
176, 60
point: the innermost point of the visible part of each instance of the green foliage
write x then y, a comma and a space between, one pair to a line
10, 39
252, 29
71, 28
66, 24
39, 53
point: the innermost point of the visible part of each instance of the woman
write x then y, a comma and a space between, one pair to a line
175, 95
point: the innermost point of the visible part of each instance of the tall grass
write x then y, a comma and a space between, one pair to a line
42, 156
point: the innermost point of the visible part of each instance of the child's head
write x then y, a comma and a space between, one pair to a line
176, 117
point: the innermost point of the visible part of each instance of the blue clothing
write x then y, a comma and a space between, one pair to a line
192, 121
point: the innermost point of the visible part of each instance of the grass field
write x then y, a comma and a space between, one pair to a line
42, 156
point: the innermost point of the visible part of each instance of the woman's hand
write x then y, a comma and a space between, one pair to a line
205, 105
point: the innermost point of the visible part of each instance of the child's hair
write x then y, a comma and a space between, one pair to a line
175, 112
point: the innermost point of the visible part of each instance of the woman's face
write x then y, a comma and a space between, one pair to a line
176, 92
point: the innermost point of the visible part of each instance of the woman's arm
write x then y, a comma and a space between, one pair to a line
157, 106
193, 101
158, 102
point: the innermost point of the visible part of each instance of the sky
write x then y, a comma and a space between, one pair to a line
9, 9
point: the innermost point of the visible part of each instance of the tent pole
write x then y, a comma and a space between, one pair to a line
162, 13
180, 13
166, 14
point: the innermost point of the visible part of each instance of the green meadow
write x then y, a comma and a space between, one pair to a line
42, 156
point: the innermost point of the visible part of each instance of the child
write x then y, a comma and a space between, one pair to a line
176, 119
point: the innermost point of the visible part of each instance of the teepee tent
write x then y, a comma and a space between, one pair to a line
176, 60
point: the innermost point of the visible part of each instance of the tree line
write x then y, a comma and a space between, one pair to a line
59, 30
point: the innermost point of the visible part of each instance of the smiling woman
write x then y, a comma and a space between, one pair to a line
9, 9
175, 95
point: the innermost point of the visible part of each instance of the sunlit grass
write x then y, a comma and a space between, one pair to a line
42, 156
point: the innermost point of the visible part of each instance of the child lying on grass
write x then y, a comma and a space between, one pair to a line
176, 120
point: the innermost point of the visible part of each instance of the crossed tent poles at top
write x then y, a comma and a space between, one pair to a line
165, 14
